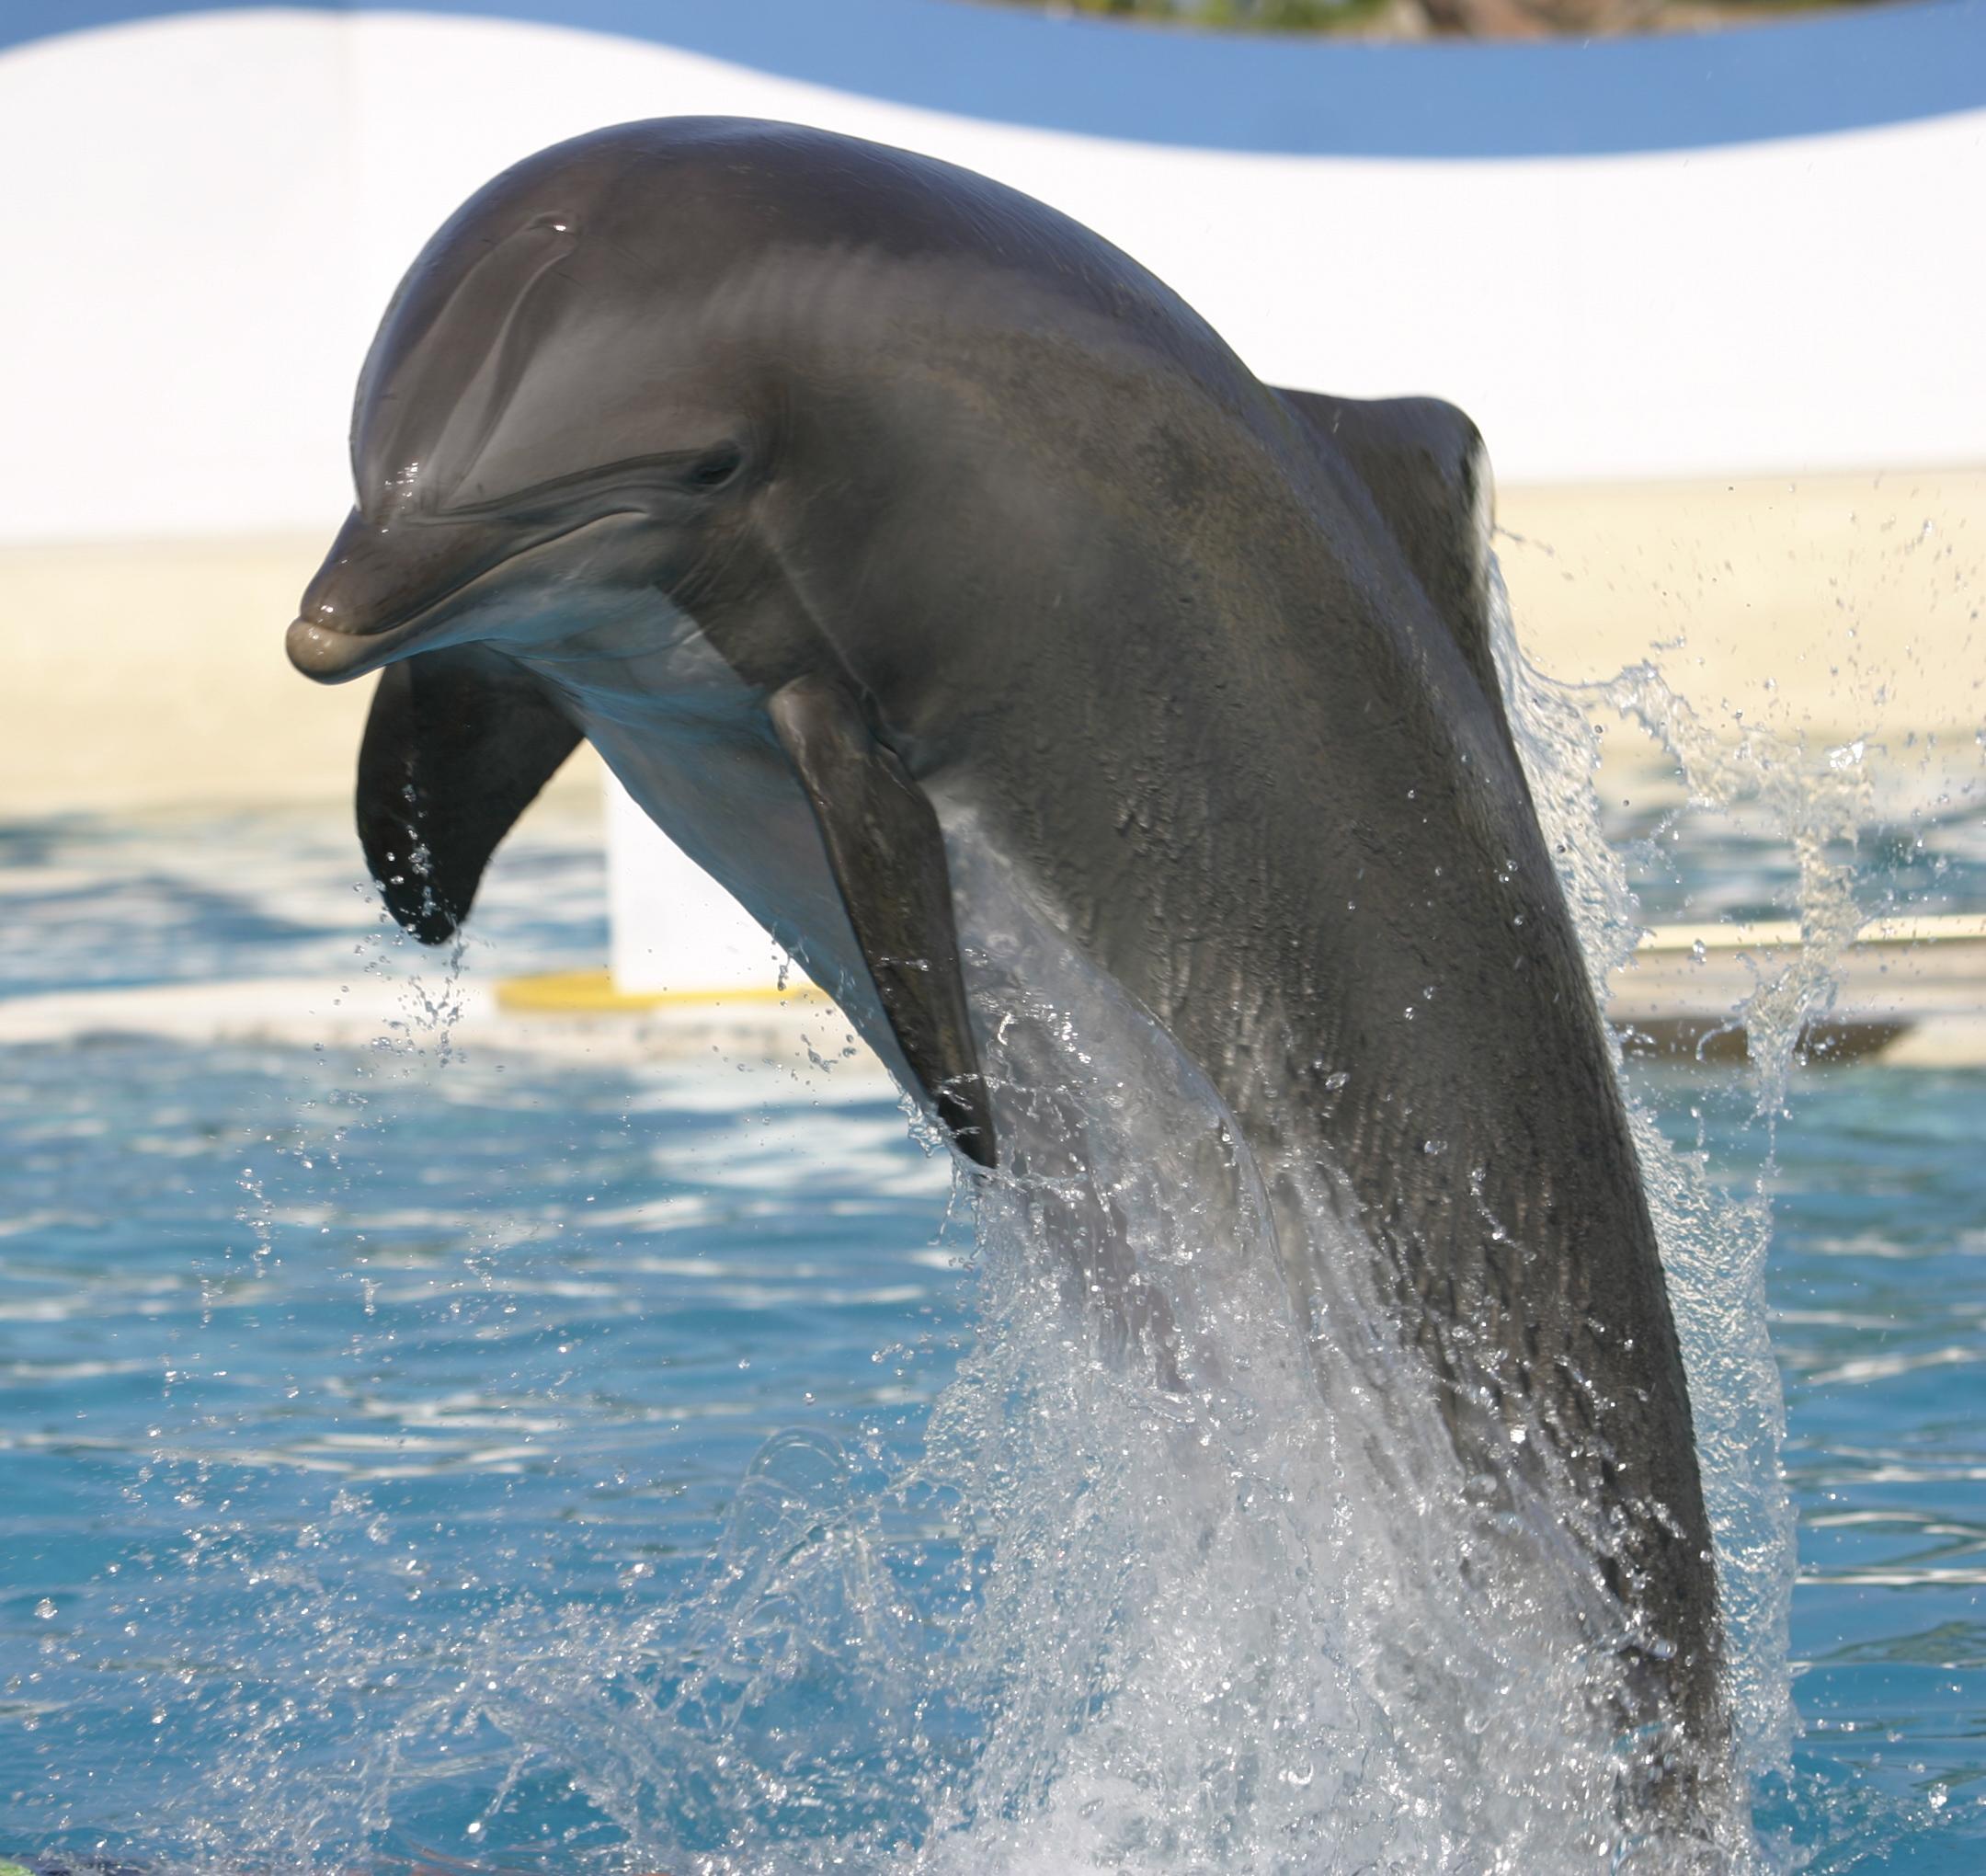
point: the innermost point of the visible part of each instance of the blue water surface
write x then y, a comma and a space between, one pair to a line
410, 1459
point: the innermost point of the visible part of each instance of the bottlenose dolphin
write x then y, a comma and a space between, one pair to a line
861, 511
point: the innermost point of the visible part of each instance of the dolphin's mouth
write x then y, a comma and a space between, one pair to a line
331, 657
336, 654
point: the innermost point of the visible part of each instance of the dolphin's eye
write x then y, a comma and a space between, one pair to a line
717, 466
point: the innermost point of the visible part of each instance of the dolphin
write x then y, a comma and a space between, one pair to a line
871, 518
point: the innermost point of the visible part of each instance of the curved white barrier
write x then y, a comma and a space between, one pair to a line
222, 200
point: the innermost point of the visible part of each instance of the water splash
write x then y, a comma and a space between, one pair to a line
1246, 1608
1186, 1575
1714, 1245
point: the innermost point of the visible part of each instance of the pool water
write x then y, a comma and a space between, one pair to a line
411, 1458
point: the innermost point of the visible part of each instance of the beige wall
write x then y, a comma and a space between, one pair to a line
1838, 606
154, 674
1843, 606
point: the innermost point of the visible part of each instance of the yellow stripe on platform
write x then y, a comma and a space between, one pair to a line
592, 993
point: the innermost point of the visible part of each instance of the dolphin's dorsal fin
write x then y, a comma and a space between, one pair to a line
1424, 464
458, 744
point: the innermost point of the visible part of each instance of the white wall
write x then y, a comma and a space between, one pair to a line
209, 211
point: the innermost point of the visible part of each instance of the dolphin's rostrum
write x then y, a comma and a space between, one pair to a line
845, 500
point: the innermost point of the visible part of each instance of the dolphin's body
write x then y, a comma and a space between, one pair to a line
868, 517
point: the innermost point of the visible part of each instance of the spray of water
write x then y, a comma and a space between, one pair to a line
1188, 1574
1714, 1244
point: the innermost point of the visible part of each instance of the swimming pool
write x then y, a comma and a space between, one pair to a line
411, 1456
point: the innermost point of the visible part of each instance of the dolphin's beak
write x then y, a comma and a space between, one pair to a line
383, 587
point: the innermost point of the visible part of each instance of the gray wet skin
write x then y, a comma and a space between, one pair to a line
826, 487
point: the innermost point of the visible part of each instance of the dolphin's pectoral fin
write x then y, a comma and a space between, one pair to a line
458, 743
1427, 471
888, 860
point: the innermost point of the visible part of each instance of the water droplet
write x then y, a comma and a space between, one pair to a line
45, 1608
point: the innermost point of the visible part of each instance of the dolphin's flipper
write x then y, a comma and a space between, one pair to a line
888, 859
458, 744
1425, 466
